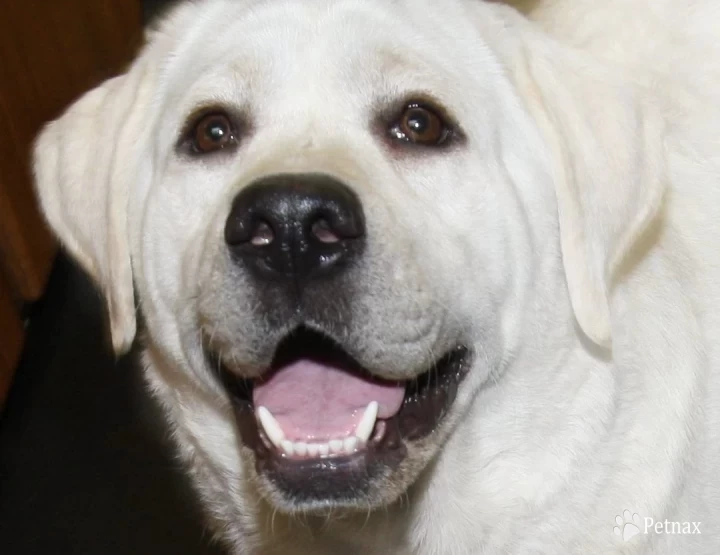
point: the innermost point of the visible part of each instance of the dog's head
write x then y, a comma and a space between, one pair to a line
342, 219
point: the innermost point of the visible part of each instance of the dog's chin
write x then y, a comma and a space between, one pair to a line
319, 455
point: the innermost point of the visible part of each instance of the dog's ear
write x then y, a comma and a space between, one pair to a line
84, 163
607, 142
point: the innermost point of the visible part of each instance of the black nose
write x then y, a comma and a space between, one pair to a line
296, 227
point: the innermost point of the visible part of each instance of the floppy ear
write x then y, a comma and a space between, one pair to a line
609, 170
84, 163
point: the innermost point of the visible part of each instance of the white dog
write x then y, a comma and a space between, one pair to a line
418, 277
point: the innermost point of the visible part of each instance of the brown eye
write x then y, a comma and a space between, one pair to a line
421, 125
212, 132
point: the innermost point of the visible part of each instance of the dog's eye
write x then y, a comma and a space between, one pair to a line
420, 125
212, 132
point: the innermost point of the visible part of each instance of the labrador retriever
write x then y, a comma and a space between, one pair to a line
418, 277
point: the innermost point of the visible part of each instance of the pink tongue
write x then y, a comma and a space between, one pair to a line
317, 402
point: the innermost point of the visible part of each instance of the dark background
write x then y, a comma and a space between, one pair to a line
86, 464
153, 8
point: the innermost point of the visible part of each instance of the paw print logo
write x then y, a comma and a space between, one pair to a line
628, 525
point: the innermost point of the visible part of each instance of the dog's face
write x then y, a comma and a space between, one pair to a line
319, 181
333, 215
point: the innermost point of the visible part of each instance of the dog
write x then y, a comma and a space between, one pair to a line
417, 277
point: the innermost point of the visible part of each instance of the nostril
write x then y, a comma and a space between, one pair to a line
338, 221
262, 235
248, 230
322, 232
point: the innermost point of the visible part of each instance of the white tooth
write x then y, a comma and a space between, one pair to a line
271, 426
323, 449
287, 446
301, 448
313, 449
367, 422
336, 445
350, 444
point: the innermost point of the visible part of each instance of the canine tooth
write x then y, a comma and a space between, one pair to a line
323, 449
271, 426
301, 448
336, 445
350, 444
287, 446
367, 422
313, 449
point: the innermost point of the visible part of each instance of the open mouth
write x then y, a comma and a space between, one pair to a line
317, 409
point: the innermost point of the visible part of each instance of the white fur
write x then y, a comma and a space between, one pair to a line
574, 236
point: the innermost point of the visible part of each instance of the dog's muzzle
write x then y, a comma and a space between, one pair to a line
324, 429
